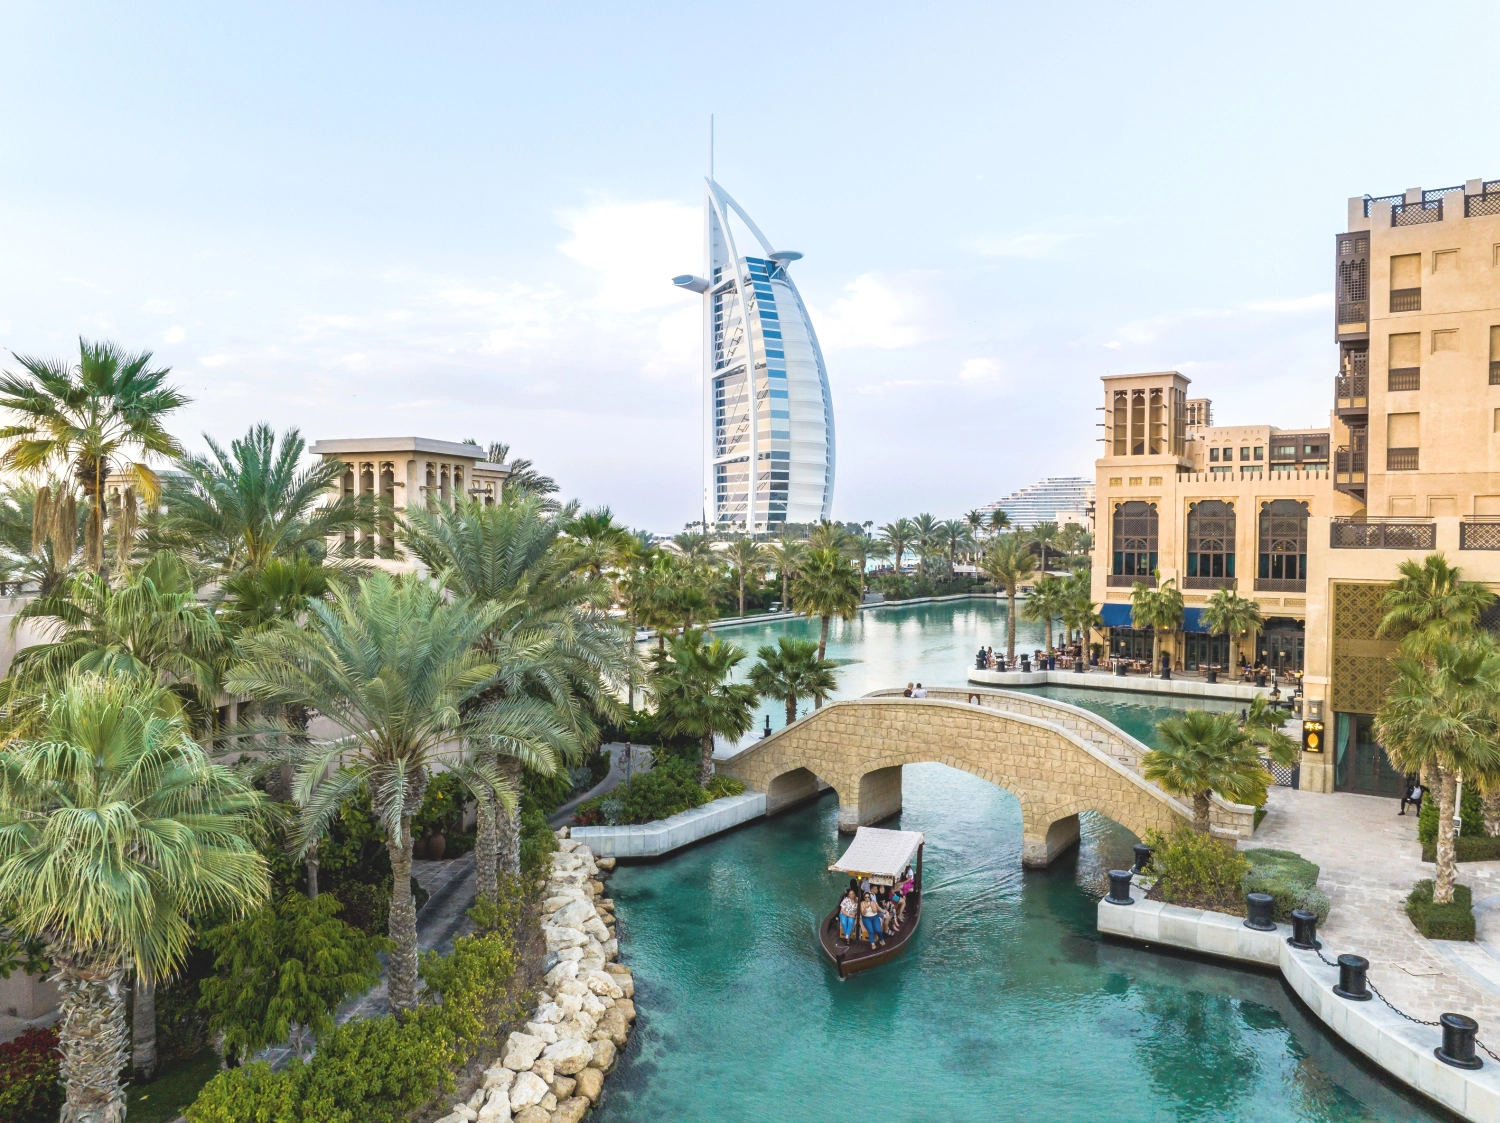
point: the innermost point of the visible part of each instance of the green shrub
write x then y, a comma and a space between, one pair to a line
1467, 850
721, 786
366, 907
671, 786
442, 806
1471, 814
30, 1087
1454, 921
379, 1070
537, 839
1197, 870
1290, 879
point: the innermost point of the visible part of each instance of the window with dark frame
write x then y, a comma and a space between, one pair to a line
1283, 540
1135, 538
1210, 534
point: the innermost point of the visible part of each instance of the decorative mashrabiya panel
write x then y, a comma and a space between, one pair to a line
1361, 668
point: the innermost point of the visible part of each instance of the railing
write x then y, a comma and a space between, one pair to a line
1479, 534
1392, 199
1349, 461
1347, 387
1488, 202
1126, 580
1409, 534
1280, 585
1401, 459
1405, 378
1414, 214
1406, 300
1208, 582
1353, 311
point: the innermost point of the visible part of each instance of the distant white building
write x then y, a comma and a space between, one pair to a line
1061, 499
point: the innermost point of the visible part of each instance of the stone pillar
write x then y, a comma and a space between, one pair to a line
1039, 847
879, 798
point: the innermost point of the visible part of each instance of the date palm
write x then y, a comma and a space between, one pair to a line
696, 548
898, 537
750, 561
1007, 563
953, 536
1160, 609
1203, 753
1431, 603
786, 555
696, 697
1441, 715
1263, 724
1044, 534
1078, 611
1045, 604
791, 671
865, 548
828, 586
999, 521
828, 535
926, 533
99, 417
116, 834
393, 665
596, 539
1228, 613
239, 508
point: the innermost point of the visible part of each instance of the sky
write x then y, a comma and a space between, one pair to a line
461, 220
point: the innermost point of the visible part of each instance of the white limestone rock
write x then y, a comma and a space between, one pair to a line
528, 1090
547, 1012
570, 955
568, 845
565, 971
576, 914
547, 1031
465, 1112
522, 1050
498, 1076
602, 982
595, 928
612, 948
543, 1068
496, 1109
476, 1101
559, 938
569, 1056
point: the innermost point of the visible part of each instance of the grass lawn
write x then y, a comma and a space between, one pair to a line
175, 1087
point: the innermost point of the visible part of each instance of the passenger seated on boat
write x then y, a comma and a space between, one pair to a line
889, 921
870, 911
848, 910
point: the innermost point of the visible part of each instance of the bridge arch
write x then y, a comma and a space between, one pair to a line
859, 747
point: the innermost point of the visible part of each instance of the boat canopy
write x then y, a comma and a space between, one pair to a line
882, 856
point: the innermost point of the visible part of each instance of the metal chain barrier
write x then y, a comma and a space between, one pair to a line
1388, 1002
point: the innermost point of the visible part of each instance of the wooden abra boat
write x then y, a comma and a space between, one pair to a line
882, 856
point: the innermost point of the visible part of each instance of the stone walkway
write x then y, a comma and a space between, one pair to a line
1370, 858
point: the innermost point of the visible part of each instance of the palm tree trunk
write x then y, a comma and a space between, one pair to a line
1492, 809
486, 849
508, 823
1049, 631
1234, 653
742, 592
1010, 624
143, 1031
1447, 864
402, 924
706, 764
1202, 802
630, 661
311, 862
791, 708
823, 638
93, 1039
1155, 650
786, 592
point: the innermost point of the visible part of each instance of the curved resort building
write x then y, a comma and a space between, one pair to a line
768, 415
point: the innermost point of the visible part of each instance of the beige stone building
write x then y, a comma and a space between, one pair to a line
1313, 523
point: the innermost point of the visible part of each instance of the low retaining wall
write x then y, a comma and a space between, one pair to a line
650, 840
1402, 1048
1137, 684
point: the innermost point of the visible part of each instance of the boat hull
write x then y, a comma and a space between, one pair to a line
857, 955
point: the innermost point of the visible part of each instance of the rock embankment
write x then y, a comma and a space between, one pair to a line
553, 1071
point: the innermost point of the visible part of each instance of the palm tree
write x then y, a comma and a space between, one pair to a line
827, 586
1046, 602
1441, 715
898, 537
1203, 753
926, 533
597, 538
866, 549
92, 420
954, 536
695, 697
696, 548
786, 555
974, 520
523, 478
392, 665
1073, 540
116, 834
750, 561
1228, 613
1045, 536
999, 521
241, 507
793, 670
828, 535
1160, 609
1432, 602
40, 535
1007, 563
557, 653
1262, 725
1078, 611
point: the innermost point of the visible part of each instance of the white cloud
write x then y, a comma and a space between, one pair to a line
636, 248
979, 370
879, 311
1050, 239
174, 334
159, 307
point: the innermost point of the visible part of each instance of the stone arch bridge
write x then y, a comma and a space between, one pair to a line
1056, 759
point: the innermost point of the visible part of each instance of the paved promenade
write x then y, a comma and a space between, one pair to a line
1370, 859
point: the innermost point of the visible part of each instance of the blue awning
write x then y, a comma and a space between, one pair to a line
1118, 616
1192, 620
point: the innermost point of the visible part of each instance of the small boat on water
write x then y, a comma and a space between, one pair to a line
882, 856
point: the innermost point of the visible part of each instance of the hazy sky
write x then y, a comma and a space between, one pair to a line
460, 220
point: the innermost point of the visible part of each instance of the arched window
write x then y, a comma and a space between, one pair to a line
1283, 547
1135, 538
1210, 537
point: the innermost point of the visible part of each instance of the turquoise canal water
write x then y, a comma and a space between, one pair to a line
1005, 1006
935, 644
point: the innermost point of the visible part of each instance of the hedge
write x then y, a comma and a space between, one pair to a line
30, 1087
1454, 921
669, 788
1197, 871
1471, 816
1290, 879
380, 1070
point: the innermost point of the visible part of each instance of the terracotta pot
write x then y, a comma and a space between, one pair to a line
419, 849
436, 845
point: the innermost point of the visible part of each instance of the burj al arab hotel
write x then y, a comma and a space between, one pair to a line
767, 412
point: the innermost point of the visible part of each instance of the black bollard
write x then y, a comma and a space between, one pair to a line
1304, 935
1351, 983
1119, 888
1142, 857
1457, 1048
1078, 665
1259, 907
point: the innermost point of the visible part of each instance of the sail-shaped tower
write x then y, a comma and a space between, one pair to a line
768, 415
